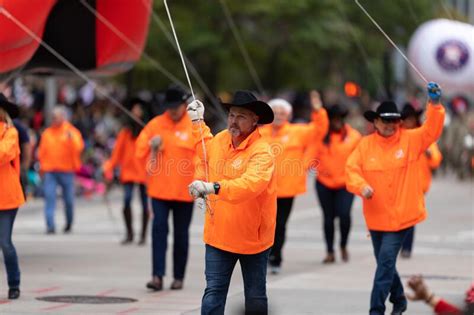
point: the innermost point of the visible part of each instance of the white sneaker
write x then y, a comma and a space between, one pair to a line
274, 270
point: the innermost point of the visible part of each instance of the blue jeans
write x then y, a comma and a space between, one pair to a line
182, 215
387, 281
335, 203
7, 218
408, 242
66, 181
219, 267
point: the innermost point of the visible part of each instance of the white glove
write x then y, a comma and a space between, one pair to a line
196, 110
315, 99
367, 192
200, 189
156, 143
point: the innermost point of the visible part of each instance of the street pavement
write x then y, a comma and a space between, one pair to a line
91, 261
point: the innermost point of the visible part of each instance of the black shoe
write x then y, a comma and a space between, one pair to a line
13, 294
50, 231
128, 240
67, 228
399, 309
142, 242
177, 284
156, 284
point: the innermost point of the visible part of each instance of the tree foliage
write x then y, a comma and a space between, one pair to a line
296, 44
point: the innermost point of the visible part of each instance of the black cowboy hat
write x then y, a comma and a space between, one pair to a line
175, 96
337, 110
12, 109
247, 100
410, 111
387, 110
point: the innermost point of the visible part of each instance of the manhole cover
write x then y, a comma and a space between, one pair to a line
86, 299
440, 277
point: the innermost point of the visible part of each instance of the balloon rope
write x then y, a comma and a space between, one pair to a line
190, 87
391, 42
78, 72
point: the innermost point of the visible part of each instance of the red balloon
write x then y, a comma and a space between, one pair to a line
71, 29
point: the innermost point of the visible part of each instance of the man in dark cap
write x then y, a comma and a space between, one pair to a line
236, 179
383, 170
167, 145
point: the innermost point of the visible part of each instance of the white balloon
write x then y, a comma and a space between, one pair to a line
443, 51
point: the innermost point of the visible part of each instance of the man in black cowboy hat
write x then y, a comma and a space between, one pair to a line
238, 184
383, 169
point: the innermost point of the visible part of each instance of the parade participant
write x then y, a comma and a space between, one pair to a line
289, 143
383, 170
11, 194
335, 200
132, 170
429, 161
167, 144
241, 201
59, 154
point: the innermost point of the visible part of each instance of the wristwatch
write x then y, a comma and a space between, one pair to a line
217, 187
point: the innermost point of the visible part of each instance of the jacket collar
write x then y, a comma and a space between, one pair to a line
254, 136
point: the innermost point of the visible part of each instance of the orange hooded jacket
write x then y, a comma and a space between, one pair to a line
172, 170
391, 167
331, 159
11, 193
428, 164
241, 218
289, 145
132, 169
60, 149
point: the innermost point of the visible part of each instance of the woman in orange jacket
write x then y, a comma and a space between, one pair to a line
289, 143
383, 169
132, 170
167, 144
335, 200
11, 193
429, 161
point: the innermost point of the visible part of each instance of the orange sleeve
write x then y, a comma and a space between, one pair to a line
9, 147
77, 143
436, 157
202, 132
321, 122
431, 129
355, 181
142, 146
117, 153
253, 182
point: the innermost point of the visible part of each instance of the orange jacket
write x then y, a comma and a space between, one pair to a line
11, 193
123, 155
57, 152
289, 145
428, 164
390, 166
332, 158
241, 218
170, 173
